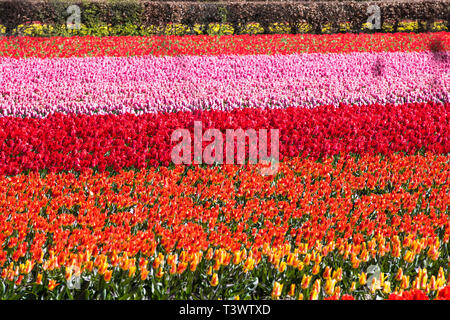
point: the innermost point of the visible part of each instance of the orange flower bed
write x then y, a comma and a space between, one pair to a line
336, 228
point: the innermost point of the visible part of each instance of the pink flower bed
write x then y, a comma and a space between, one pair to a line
38, 87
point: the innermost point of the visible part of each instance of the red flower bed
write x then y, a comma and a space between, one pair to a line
211, 45
64, 142
414, 294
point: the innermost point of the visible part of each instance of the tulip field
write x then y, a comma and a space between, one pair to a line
93, 207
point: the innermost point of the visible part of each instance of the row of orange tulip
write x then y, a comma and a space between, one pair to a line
315, 225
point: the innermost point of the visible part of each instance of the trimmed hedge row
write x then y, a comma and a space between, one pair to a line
237, 13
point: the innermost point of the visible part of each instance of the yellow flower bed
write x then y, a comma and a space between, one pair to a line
36, 29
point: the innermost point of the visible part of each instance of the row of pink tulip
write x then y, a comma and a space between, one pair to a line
38, 87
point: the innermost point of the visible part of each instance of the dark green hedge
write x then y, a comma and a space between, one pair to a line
238, 13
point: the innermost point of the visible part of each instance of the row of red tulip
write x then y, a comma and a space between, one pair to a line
65, 142
80, 46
